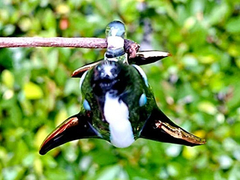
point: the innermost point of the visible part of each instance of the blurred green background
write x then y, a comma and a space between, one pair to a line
197, 87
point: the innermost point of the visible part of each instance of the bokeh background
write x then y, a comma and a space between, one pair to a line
198, 87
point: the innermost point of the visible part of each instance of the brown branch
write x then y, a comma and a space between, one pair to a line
53, 42
7, 42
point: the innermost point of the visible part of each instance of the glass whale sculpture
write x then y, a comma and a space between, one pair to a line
118, 104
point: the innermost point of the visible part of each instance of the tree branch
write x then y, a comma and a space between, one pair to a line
7, 42
53, 42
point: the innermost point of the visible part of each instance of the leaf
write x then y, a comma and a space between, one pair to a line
190, 152
233, 25
207, 107
112, 172
189, 23
225, 161
38, 166
32, 91
41, 134
8, 78
62, 9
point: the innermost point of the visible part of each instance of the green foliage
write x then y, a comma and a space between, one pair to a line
198, 87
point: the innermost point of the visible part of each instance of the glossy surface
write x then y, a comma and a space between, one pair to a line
111, 111
142, 58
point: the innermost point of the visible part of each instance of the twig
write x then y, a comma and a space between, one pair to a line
7, 42
53, 42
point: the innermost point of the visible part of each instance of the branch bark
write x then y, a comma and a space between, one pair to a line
53, 42
7, 42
